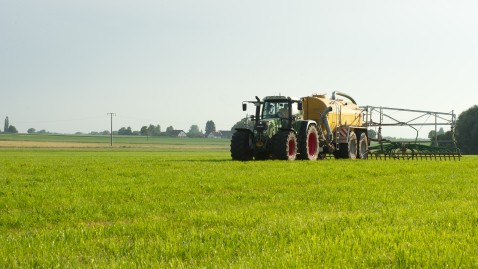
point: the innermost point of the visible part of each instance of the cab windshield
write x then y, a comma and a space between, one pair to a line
275, 110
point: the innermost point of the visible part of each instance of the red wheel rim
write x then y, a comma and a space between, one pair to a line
291, 147
312, 144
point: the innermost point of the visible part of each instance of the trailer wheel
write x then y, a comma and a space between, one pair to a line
309, 144
363, 146
240, 150
285, 146
352, 146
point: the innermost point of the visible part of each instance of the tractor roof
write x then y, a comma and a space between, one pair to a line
279, 98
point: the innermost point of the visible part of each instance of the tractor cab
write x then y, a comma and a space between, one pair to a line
277, 112
274, 111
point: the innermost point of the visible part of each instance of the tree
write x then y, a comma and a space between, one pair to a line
122, 131
125, 131
467, 130
9, 128
431, 134
169, 130
154, 130
440, 136
31, 131
194, 131
129, 131
210, 127
441, 131
371, 133
144, 131
444, 140
12, 129
7, 124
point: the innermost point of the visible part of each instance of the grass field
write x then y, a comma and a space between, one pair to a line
190, 206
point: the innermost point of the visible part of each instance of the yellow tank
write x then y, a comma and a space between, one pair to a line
340, 113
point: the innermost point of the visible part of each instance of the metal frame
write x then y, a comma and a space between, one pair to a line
385, 119
377, 116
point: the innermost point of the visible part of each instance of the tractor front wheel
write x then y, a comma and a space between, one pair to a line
285, 146
240, 149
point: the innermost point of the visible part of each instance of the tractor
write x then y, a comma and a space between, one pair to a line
279, 132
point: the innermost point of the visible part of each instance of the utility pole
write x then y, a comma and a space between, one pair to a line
111, 132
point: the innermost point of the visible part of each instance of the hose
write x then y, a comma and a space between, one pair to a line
325, 121
344, 95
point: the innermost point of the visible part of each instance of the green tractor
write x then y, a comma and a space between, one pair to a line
278, 132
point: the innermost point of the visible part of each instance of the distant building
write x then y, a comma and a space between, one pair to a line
226, 134
214, 135
178, 133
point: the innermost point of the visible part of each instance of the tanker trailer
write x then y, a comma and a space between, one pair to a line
341, 131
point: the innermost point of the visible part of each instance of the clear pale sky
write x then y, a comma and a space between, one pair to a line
65, 64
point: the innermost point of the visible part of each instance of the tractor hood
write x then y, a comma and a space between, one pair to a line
268, 126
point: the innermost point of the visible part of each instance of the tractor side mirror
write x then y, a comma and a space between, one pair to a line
244, 106
299, 105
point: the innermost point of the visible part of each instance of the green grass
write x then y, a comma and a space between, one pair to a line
181, 208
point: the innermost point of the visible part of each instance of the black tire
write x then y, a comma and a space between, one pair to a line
363, 146
240, 149
284, 146
309, 143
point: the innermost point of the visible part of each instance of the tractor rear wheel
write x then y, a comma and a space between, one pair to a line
309, 144
284, 146
240, 150
363, 146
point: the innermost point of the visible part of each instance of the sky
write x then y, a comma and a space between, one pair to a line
65, 64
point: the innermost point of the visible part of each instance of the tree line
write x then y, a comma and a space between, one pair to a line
151, 130
155, 130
